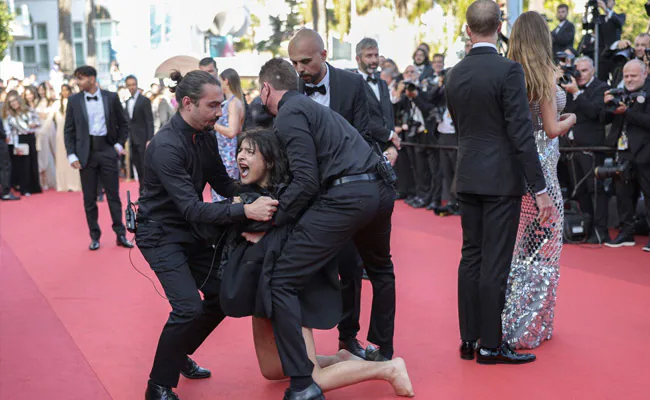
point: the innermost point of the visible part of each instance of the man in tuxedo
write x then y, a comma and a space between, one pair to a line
208, 65
95, 131
609, 32
585, 98
140, 115
344, 92
564, 35
497, 156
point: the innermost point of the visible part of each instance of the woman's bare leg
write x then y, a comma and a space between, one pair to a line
341, 355
266, 349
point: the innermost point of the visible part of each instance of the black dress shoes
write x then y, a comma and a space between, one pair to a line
124, 242
375, 355
622, 240
433, 206
313, 392
94, 245
418, 203
502, 355
157, 392
353, 346
191, 370
467, 350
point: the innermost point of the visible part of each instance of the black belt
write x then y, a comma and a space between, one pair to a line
356, 178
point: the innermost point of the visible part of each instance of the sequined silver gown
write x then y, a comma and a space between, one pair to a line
535, 272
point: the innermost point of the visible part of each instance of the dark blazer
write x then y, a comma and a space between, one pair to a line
564, 37
638, 131
486, 97
588, 131
380, 111
611, 30
348, 98
141, 125
76, 131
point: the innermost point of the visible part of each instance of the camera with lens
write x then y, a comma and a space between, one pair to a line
614, 169
411, 86
623, 55
568, 68
414, 127
622, 96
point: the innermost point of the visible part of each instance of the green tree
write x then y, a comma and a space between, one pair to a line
283, 30
5, 32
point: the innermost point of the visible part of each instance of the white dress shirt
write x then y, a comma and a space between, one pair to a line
319, 98
130, 103
96, 120
484, 44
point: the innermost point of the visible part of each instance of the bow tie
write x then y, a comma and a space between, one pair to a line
371, 79
89, 98
309, 90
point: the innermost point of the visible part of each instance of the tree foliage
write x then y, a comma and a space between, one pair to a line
283, 29
5, 31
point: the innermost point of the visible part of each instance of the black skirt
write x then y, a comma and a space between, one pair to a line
24, 169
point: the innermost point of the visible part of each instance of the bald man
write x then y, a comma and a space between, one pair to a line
630, 133
345, 93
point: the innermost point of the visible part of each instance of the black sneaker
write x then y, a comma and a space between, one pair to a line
9, 196
647, 247
622, 240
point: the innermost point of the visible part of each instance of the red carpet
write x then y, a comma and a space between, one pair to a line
76, 324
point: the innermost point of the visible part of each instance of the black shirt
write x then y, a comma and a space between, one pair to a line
178, 163
321, 146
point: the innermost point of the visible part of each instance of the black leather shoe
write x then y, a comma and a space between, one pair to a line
622, 240
157, 392
353, 346
313, 392
418, 203
124, 242
502, 355
433, 206
191, 370
375, 355
646, 247
467, 350
94, 245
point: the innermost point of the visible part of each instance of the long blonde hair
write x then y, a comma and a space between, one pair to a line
530, 46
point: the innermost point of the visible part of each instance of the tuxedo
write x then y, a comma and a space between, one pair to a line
140, 114
95, 127
563, 37
381, 119
588, 131
497, 156
609, 32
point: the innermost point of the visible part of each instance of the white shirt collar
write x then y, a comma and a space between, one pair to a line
590, 80
484, 44
135, 96
561, 24
325, 81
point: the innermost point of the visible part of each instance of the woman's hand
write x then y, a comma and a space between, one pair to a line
253, 237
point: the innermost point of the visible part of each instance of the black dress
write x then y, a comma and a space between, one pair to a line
246, 268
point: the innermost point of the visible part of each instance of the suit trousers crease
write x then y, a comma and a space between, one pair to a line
351, 275
489, 226
102, 167
181, 269
357, 211
137, 160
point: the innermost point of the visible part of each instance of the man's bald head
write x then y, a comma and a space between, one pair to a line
307, 53
483, 17
634, 75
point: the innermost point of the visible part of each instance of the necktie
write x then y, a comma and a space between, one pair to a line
91, 98
371, 79
309, 90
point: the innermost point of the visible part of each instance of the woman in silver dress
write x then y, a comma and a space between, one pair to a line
532, 284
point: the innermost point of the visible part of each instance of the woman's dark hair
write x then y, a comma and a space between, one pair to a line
190, 85
274, 155
37, 97
65, 85
426, 56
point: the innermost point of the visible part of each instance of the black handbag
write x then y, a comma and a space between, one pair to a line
576, 224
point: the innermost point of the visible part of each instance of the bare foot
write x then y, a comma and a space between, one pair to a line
399, 378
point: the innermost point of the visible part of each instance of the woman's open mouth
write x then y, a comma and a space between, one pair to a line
243, 169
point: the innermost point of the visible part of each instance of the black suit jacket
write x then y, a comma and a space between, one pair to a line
381, 118
638, 131
486, 97
348, 98
588, 131
563, 39
141, 125
76, 130
611, 30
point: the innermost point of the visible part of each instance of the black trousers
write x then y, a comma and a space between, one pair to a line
101, 167
627, 194
404, 171
489, 234
182, 266
137, 160
351, 274
422, 170
433, 168
24, 169
581, 175
448, 164
5, 167
359, 212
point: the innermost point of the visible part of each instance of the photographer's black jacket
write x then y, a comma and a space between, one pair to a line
178, 163
564, 37
637, 117
610, 31
588, 131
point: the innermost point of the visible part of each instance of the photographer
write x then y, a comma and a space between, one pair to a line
609, 32
585, 96
564, 35
622, 51
629, 113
